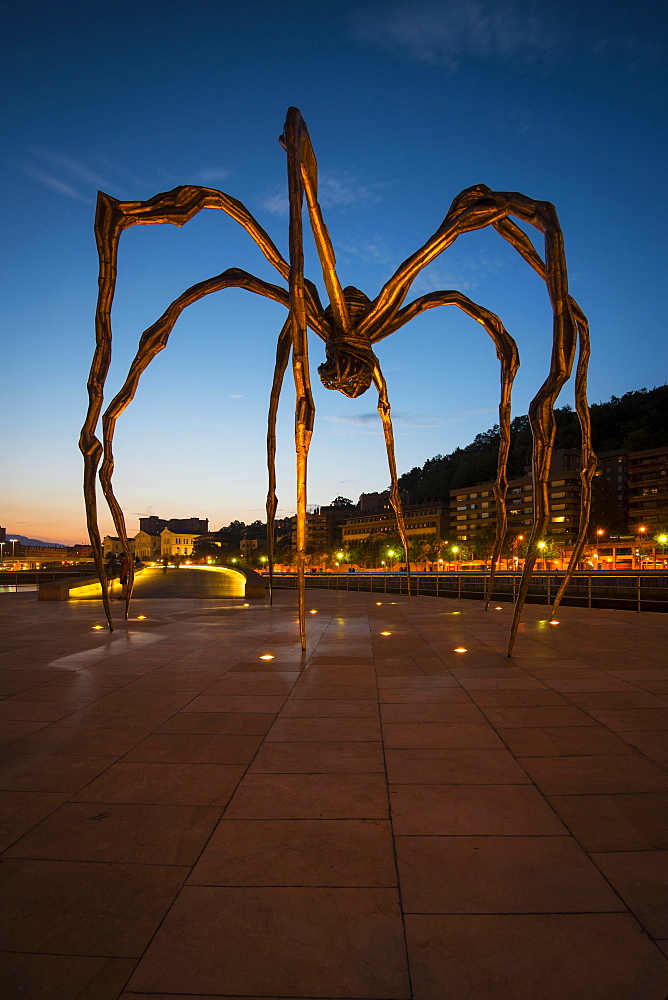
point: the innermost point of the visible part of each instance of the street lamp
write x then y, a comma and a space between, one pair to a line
455, 550
541, 546
662, 540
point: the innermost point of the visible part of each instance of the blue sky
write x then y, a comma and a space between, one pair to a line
407, 103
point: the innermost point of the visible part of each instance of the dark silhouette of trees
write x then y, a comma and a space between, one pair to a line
635, 422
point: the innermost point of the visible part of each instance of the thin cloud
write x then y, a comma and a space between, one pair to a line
399, 419
464, 273
211, 175
54, 183
73, 167
335, 190
450, 32
521, 33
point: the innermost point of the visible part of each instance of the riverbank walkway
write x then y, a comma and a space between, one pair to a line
382, 817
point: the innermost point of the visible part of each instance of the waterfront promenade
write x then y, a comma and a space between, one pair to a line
380, 817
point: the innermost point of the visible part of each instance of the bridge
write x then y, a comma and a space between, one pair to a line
198, 582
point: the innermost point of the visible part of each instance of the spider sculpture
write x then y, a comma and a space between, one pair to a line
350, 326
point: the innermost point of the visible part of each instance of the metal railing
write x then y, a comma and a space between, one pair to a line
640, 591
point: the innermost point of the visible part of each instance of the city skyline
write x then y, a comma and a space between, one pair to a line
406, 105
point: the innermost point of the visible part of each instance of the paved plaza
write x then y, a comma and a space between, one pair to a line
380, 817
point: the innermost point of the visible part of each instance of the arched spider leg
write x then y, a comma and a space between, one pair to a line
508, 355
282, 357
518, 238
488, 209
112, 217
151, 343
305, 407
512, 233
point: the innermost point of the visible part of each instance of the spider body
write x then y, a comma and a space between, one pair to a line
350, 325
351, 361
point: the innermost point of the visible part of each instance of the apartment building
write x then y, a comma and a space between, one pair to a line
473, 509
648, 490
430, 522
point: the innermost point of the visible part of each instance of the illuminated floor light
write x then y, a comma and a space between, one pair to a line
378, 603
461, 649
498, 609
98, 627
313, 612
386, 633
553, 622
141, 618
245, 605
267, 656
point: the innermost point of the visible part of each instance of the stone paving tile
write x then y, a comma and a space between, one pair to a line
298, 852
617, 699
219, 723
624, 822
424, 696
471, 810
175, 784
641, 879
310, 796
576, 740
637, 719
80, 741
318, 757
438, 736
34, 711
53, 977
11, 731
313, 942
235, 703
20, 811
538, 716
194, 749
268, 685
304, 729
520, 957
311, 708
522, 698
72, 908
49, 772
595, 774
653, 744
500, 875
131, 834
448, 767
337, 692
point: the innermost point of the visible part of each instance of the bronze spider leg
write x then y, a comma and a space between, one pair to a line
395, 498
305, 407
508, 355
301, 160
112, 217
514, 235
484, 210
282, 357
151, 343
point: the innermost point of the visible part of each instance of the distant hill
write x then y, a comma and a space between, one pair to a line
636, 421
34, 541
